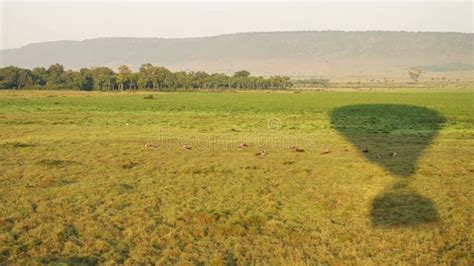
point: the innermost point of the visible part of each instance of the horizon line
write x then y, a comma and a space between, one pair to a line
234, 33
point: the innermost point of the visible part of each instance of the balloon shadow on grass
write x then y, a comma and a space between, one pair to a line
393, 136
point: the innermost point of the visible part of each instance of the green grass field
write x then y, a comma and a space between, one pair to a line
77, 185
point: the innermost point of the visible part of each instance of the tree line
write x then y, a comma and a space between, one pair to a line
311, 83
149, 77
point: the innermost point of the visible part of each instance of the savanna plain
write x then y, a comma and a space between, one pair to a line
386, 177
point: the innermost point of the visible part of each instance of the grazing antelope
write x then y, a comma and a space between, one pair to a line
326, 151
261, 153
393, 154
296, 149
150, 146
242, 146
186, 147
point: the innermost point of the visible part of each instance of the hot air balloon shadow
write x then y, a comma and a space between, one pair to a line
393, 136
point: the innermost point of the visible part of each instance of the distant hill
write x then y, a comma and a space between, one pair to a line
319, 53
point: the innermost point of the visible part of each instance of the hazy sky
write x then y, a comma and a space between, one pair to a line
24, 22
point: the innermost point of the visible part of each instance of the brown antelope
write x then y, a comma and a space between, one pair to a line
262, 152
393, 154
366, 150
242, 146
150, 146
296, 149
186, 147
326, 151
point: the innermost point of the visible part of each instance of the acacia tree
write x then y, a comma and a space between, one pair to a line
242, 74
123, 76
133, 80
9, 77
40, 75
15, 78
145, 79
86, 79
54, 78
103, 78
71, 79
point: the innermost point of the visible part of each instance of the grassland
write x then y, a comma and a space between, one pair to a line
77, 185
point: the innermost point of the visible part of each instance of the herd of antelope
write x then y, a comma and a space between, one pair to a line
262, 152
241, 147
